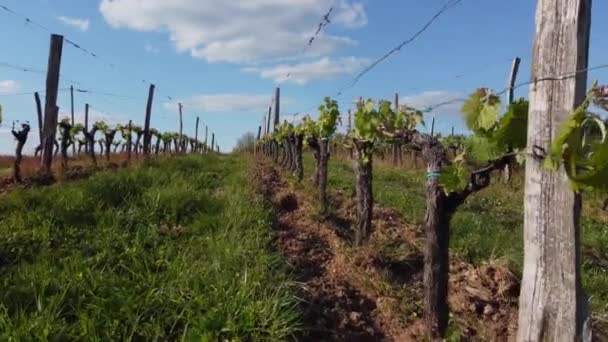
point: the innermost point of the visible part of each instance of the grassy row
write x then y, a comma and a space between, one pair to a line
174, 250
489, 226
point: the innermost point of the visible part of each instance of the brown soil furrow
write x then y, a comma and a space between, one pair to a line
374, 292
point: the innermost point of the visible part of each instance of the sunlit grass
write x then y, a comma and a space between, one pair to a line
175, 250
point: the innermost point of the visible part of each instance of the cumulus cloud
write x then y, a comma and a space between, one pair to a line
81, 24
224, 103
239, 31
302, 73
8, 86
451, 100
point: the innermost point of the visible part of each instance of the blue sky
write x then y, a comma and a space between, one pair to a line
223, 59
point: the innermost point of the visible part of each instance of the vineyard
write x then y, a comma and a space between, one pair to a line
350, 221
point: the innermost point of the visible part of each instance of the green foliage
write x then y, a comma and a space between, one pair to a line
309, 128
101, 126
482, 149
246, 143
512, 128
494, 135
368, 122
585, 162
283, 131
329, 113
454, 177
481, 111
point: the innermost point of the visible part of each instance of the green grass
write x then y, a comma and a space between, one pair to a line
489, 226
178, 249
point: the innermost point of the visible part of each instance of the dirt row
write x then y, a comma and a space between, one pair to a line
374, 293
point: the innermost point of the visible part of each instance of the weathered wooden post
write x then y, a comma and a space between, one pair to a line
40, 124
181, 128
507, 171
86, 125
72, 110
196, 134
129, 142
147, 136
277, 109
206, 134
51, 111
433, 127
552, 301
212, 141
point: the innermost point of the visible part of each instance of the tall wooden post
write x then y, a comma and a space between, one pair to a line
396, 102
130, 141
147, 136
39, 112
212, 141
51, 111
433, 127
259, 133
72, 104
507, 170
268, 118
206, 133
277, 107
552, 302
196, 131
452, 131
86, 125
512, 79
181, 129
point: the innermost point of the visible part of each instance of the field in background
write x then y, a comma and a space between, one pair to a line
176, 248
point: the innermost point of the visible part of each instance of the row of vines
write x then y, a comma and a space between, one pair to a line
452, 174
105, 136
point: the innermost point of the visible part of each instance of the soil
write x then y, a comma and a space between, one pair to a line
374, 292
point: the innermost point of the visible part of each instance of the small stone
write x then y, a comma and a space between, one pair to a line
488, 310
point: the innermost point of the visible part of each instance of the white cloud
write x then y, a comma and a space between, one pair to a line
323, 69
8, 86
224, 103
81, 24
450, 101
239, 31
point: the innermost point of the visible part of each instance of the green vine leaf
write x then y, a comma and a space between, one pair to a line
454, 177
481, 111
512, 129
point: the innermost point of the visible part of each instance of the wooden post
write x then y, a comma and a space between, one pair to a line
452, 131
147, 136
259, 132
72, 103
130, 141
196, 130
212, 141
86, 125
51, 110
396, 102
206, 133
277, 107
507, 171
39, 112
552, 301
268, 118
512, 79
433, 127
181, 128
